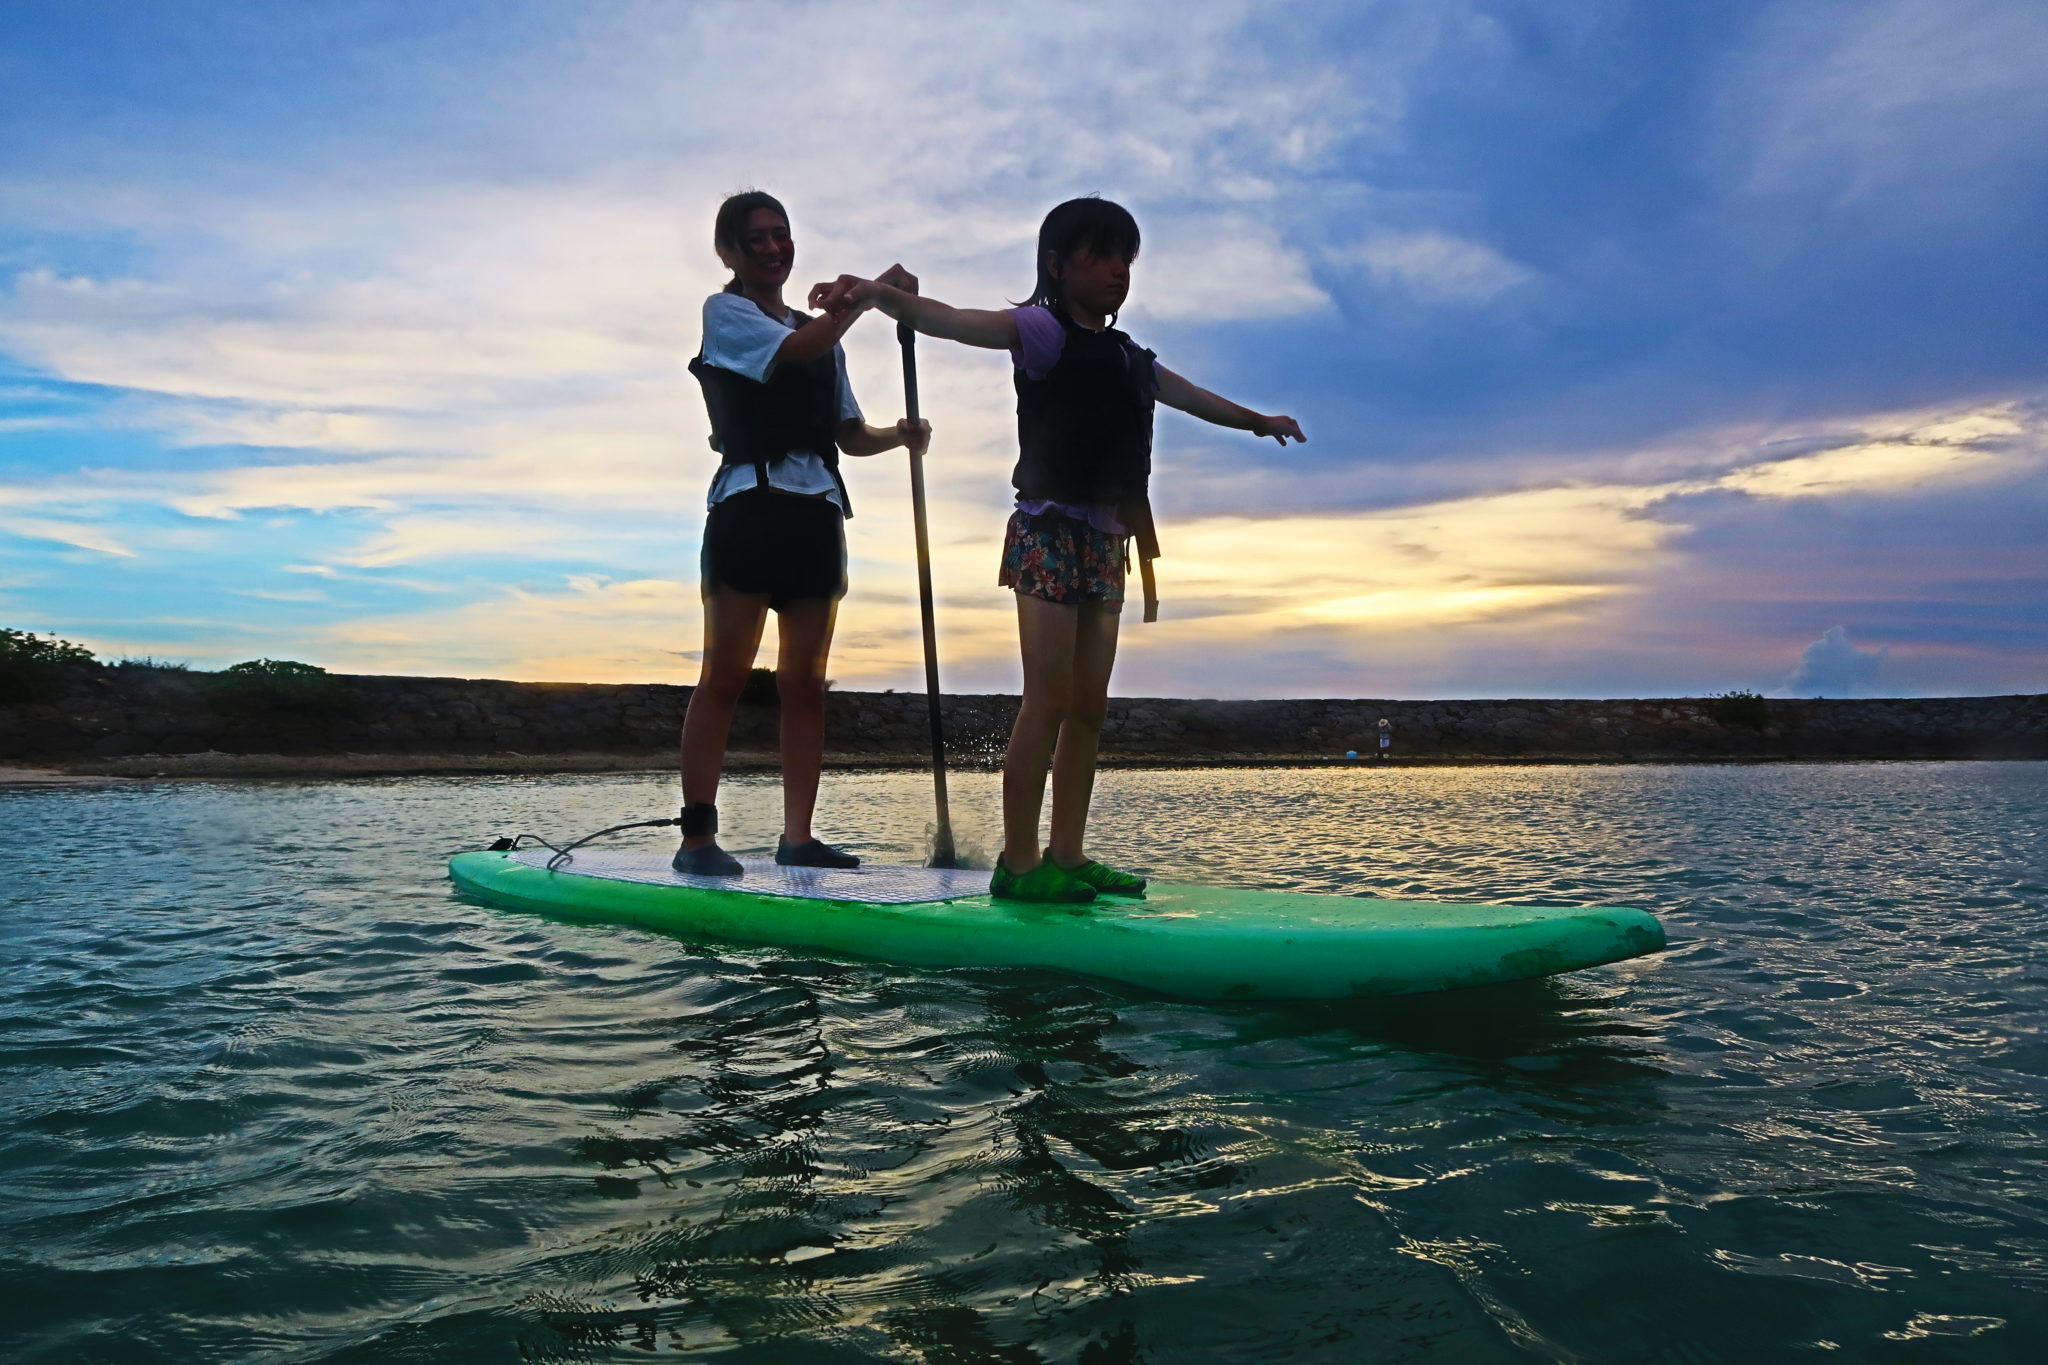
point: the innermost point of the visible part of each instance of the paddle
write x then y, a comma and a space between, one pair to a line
943, 854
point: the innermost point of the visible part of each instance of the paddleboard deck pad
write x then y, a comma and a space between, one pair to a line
1196, 942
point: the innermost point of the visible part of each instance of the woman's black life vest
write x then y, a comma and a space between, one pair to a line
759, 423
1084, 432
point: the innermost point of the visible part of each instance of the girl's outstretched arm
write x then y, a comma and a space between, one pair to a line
1196, 401
895, 293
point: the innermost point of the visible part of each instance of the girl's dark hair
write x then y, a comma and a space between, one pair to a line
729, 229
1103, 227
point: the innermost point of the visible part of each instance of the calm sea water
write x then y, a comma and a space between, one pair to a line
273, 1093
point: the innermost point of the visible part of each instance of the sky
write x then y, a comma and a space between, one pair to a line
1644, 349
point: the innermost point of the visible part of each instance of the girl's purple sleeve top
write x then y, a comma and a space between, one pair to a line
1040, 339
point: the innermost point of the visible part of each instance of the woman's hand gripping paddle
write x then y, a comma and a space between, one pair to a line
943, 854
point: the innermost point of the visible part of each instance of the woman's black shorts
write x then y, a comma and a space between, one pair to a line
786, 545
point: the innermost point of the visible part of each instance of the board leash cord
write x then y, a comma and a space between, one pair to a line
562, 852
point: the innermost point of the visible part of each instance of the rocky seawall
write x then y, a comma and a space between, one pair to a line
120, 719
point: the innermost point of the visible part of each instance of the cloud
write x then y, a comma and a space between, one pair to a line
1509, 553
1832, 667
409, 539
1899, 453
1596, 383
1223, 268
380, 580
1890, 466
1433, 266
66, 533
1864, 97
1419, 588
462, 289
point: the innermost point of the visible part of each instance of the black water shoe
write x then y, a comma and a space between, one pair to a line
812, 853
706, 860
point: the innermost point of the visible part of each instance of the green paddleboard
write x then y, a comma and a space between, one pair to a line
1198, 942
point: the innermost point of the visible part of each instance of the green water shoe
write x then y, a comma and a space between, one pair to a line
1106, 880
1047, 884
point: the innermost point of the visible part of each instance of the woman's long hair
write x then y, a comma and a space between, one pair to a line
1102, 226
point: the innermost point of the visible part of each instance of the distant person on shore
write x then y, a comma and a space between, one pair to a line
1085, 395
1386, 739
782, 413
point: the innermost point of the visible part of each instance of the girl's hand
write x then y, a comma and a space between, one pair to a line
846, 292
915, 436
896, 277
1279, 428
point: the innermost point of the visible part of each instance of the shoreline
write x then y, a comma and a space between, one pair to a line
127, 721
127, 769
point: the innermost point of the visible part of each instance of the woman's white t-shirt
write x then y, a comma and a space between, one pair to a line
739, 337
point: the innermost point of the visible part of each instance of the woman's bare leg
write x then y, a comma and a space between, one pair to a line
732, 636
805, 628
1073, 760
1046, 632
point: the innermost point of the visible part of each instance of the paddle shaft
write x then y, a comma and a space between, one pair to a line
942, 840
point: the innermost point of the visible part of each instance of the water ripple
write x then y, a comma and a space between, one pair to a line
273, 1093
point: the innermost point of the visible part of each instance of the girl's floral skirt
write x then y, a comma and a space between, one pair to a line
1060, 559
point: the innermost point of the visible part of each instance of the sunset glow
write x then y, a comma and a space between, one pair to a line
1622, 374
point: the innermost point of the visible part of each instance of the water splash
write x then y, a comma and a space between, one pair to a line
971, 848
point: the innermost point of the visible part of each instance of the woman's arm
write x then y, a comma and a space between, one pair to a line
1195, 401
856, 437
815, 338
900, 300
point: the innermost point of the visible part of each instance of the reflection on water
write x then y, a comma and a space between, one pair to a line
274, 1094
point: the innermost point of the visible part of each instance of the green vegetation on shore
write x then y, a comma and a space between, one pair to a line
283, 685
1739, 708
33, 670
32, 667
61, 706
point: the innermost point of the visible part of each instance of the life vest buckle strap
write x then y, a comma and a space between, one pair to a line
1136, 515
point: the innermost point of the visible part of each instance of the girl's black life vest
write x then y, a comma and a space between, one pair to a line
759, 423
1084, 433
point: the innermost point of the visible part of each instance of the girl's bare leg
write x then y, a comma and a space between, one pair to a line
1046, 631
732, 635
806, 632
1073, 760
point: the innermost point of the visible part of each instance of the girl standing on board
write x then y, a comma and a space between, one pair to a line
782, 413
1085, 393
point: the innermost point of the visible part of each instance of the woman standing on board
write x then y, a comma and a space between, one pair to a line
1085, 393
782, 413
